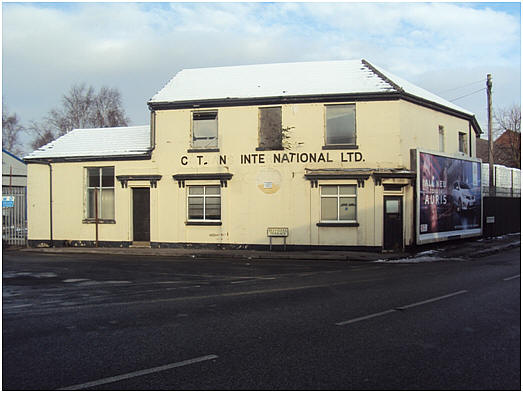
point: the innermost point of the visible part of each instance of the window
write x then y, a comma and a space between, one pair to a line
462, 142
340, 124
338, 203
205, 130
270, 132
204, 203
100, 188
441, 138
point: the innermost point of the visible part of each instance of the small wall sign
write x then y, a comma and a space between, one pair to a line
277, 232
8, 201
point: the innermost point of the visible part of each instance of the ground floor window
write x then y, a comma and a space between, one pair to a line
100, 193
338, 203
204, 203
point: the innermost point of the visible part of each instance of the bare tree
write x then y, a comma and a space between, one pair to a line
81, 107
107, 109
42, 132
507, 146
11, 130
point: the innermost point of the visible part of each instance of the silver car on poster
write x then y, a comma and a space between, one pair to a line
462, 196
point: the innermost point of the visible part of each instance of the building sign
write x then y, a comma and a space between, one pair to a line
275, 158
449, 197
8, 201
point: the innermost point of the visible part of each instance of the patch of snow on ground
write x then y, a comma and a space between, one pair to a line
428, 252
418, 259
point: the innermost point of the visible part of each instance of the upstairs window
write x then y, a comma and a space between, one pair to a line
462, 142
441, 138
100, 189
205, 130
270, 131
340, 123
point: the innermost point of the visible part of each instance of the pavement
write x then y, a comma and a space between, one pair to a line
465, 248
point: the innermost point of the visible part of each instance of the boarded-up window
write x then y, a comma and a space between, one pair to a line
205, 129
441, 138
462, 142
270, 133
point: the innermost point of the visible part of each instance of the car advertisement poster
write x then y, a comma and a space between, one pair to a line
449, 198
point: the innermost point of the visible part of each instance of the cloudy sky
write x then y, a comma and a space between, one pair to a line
447, 48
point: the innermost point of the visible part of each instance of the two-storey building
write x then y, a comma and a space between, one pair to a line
322, 152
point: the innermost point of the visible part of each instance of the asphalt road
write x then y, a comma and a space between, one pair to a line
144, 323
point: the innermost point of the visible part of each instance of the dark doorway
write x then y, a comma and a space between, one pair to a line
393, 223
141, 215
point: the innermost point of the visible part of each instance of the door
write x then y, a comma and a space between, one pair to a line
393, 223
141, 215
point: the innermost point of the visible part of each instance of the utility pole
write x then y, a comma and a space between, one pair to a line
490, 141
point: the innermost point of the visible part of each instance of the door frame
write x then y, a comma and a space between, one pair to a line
402, 218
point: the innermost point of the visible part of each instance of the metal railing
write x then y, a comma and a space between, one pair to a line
14, 216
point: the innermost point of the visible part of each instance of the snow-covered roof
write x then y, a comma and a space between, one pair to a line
288, 80
97, 143
417, 91
272, 80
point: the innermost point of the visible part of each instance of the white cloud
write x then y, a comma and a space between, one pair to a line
138, 47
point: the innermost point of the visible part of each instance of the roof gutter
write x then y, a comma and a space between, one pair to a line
145, 156
221, 102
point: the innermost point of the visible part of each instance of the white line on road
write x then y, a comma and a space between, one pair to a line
511, 278
365, 317
435, 299
121, 377
378, 314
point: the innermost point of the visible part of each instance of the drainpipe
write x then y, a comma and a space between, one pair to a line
51, 203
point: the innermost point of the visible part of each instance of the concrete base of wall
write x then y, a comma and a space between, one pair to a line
208, 246
74, 243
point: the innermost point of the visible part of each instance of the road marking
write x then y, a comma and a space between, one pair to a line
434, 299
365, 317
134, 374
511, 278
378, 314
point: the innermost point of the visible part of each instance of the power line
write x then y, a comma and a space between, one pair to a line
459, 87
466, 95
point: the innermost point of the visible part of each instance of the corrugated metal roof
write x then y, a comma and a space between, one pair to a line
97, 142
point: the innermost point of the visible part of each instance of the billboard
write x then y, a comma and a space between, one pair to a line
449, 203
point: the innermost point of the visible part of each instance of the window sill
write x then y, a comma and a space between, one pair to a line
210, 150
338, 224
204, 223
269, 149
340, 147
100, 221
